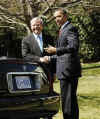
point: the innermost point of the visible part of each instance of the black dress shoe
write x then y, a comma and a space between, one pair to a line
36, 118
48, 118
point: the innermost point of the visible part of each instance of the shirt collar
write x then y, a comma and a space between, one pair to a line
35, 35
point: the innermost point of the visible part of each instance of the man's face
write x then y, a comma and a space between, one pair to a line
36, 27
60, 18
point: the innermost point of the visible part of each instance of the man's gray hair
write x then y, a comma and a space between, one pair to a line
36, 19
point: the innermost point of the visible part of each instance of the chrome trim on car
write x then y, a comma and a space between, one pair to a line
10, 81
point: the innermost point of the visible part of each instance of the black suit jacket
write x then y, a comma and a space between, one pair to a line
31, 50
68, 62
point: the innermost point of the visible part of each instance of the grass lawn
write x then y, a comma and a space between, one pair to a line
88, 92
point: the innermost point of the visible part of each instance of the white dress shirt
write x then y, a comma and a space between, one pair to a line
38, 38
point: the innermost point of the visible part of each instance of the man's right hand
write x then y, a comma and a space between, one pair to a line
44, 59
50, 49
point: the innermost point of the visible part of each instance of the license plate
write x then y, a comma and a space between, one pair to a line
23, 82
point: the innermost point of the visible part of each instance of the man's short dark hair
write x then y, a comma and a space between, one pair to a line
64, 12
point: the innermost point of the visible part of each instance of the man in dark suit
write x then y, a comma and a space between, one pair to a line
34, 44
68, 68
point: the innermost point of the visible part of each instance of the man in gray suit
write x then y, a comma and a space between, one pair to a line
68, 68
34, 44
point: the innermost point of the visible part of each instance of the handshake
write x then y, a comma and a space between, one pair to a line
45, 59
49, 50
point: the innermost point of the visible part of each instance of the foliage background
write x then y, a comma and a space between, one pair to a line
15, 23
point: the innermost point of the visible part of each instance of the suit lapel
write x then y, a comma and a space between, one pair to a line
61, 32
66, 25
44, 39
34, 43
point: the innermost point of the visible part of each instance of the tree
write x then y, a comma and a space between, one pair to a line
16, 14
21, 11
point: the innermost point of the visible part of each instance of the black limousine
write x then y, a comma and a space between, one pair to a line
25, 92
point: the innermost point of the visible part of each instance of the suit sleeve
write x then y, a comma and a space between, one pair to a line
69, 42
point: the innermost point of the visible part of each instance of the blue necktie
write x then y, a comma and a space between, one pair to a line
40, 42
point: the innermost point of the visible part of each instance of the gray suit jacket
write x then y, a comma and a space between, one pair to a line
68, 62
31, 50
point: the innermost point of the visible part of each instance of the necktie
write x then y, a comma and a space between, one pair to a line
40, 42
59, 32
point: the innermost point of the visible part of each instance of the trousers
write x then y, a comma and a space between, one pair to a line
70, 107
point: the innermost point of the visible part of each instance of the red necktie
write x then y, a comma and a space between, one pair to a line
59, 32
